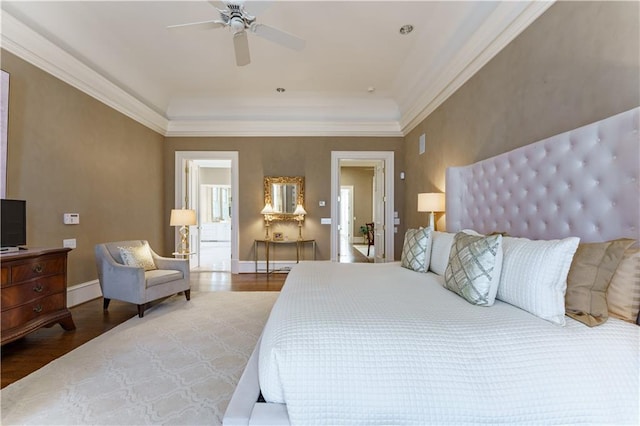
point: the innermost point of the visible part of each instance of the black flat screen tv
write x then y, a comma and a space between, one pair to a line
13, 222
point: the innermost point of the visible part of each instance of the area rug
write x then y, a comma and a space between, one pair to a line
178, 365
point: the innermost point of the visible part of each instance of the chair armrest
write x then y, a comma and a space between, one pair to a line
116, 276
171, 263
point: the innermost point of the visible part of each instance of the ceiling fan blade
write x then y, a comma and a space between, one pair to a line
241, 46
278, 36
205, 25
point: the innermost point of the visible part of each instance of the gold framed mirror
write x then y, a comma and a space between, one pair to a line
283, 194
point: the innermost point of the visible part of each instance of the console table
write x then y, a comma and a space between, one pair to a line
33, 286
268, 243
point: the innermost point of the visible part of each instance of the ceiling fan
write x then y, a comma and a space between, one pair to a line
234, 16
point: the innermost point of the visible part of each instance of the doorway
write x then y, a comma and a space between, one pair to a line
379, 210
207, 182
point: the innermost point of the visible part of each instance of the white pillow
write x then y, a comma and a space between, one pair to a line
440, 249
416, 250
474, 267
534, 275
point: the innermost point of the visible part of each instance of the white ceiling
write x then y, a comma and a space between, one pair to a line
187, 83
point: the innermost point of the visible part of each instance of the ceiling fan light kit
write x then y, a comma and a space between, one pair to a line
234, 16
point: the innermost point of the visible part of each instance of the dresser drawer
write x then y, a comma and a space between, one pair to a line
37, 268
4, 277
17, 316
19, 294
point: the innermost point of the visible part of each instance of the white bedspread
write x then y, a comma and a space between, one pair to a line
380, 344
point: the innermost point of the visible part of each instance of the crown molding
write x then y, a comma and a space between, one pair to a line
25, 43
239, 128
500, 31
420, 101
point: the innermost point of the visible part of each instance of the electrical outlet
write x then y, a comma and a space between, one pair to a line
70, 243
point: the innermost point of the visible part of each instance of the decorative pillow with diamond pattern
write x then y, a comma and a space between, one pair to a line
416, 250
474, 267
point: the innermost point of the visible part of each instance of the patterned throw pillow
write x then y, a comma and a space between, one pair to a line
474, 267
416, 250
138, 256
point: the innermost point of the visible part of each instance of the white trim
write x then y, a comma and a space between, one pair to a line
422, 98
283, 128
275, 266
83, 292
467, 62
388, 158
181, 158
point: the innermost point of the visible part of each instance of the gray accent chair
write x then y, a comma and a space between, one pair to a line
134, 285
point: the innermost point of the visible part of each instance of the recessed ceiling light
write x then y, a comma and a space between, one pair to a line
406, 29
280, 90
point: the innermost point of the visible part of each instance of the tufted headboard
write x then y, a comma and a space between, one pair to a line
582, 183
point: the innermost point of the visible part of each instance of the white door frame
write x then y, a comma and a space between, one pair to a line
181, 158
388, 158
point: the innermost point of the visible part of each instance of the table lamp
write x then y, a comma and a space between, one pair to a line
267, 211
299, 213
183, 218
431, 202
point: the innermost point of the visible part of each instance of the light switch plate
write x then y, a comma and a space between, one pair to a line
325, 221
71, 218
70, 243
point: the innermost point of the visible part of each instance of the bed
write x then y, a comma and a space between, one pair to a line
384, 344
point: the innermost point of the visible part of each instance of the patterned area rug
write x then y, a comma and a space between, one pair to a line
177, 365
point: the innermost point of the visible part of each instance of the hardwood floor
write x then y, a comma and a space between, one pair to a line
349, 254
24, 356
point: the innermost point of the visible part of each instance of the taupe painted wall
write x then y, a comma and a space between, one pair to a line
578, 63
69, 153
361, 178
283, 156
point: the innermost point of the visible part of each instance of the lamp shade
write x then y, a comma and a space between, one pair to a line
182, 217
299, 211
431, 202
268, 209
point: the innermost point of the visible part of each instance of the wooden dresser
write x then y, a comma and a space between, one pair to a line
34, 291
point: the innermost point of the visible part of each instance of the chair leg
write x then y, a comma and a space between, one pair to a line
141, 310
187, 294
105, 303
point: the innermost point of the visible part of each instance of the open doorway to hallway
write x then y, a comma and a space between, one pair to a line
358, 200
382, 162
207, 182
213, 205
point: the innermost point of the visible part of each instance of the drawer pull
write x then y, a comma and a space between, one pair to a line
38, 288
37, 268
37, 309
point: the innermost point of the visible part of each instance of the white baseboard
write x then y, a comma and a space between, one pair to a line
249, 267
83, 292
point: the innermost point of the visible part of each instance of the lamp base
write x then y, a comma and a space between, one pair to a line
184, 240
432, 223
